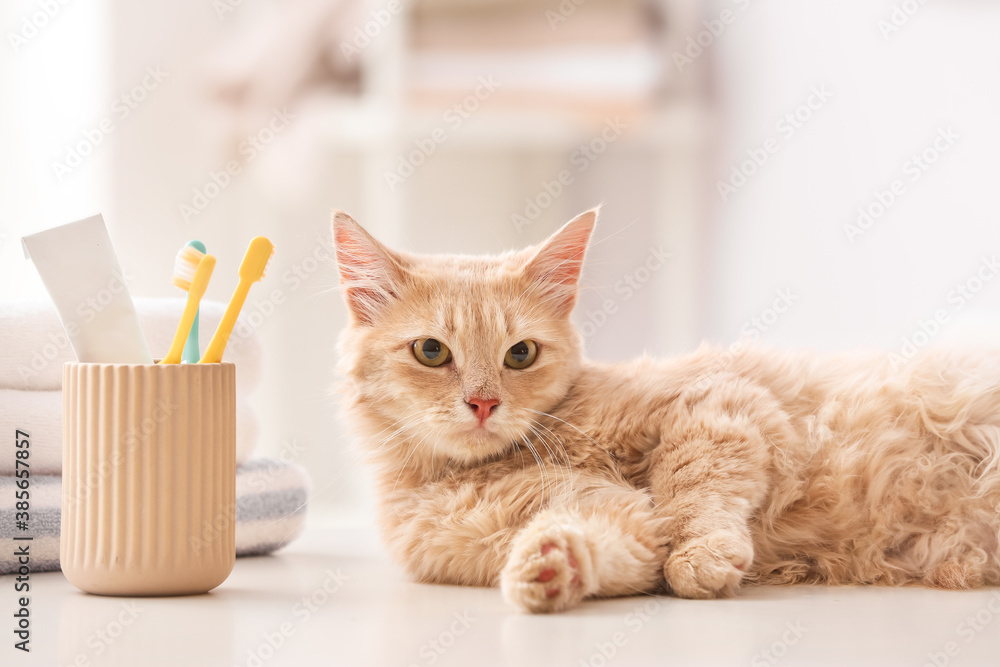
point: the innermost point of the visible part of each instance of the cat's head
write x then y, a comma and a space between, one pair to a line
461, 354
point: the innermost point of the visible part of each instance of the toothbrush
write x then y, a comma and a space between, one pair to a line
194, 272
192, 352
251, 270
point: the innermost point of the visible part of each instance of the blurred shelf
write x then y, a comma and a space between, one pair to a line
368, 124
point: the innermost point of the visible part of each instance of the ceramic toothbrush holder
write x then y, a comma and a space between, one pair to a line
149, 477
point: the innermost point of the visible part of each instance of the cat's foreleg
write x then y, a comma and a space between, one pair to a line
709, 474
603, 541
548, 540
458, 532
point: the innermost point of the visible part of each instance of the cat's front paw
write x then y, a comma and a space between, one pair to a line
710, 566
549, 567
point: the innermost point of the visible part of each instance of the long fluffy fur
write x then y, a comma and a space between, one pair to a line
694, 474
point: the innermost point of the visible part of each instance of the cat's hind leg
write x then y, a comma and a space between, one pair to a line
606, 542
709, 475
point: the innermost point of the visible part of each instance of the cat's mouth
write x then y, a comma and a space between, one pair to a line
482, 431
482, 440
482, 427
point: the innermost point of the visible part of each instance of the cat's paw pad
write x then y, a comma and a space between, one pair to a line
548, 568
710, 566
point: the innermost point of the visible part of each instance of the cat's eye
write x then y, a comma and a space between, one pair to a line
522, 354
431, 352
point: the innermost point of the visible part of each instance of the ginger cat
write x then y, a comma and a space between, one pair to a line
504, 457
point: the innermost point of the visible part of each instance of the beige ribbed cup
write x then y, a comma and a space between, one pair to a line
149, 477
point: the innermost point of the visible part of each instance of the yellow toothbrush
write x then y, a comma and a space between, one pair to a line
198, 275
251, 270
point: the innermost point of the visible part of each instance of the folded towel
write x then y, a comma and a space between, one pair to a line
271, 499
33, 345
39, 413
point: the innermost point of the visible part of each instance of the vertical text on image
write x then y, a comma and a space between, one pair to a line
22, 541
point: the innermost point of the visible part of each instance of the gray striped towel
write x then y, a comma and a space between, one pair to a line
271, 498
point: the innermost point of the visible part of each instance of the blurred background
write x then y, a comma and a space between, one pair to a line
818, 174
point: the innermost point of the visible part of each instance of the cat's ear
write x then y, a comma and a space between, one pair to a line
370, 273
559, 261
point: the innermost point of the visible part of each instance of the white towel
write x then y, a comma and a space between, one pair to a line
271, 502
33, 345
39, 413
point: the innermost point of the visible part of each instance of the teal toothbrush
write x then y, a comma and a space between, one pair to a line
192, 352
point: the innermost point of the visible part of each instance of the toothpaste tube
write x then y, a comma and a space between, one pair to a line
80, 270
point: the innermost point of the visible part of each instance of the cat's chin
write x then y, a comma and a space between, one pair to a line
477, 444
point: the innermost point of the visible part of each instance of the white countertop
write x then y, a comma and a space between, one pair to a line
332, 598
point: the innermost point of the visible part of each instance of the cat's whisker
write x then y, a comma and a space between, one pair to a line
586, 435
437, 441
564, 472
399, 419
320, 290
550, 441
405, 462
558, 441
541, 468
411, 422
521, 454
543, 443
596, 242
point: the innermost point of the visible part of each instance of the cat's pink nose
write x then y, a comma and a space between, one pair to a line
483, 407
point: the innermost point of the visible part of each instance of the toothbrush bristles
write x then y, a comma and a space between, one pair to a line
185, 267
268, 265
